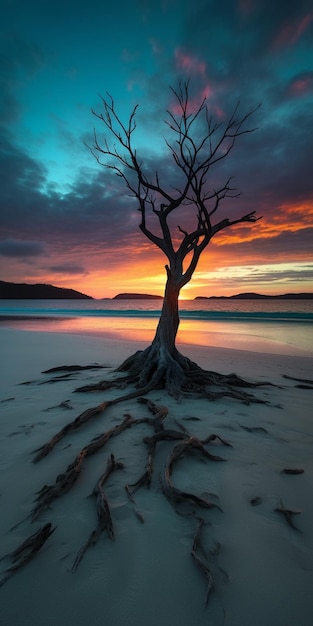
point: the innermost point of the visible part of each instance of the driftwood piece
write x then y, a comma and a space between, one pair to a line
26, 551
103, 511
256, 501
288, 515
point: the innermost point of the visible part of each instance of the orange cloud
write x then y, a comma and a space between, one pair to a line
138, 266
282, 219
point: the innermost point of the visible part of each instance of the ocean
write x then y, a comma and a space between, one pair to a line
277, 326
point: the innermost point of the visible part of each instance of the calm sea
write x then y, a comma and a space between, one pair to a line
277, 326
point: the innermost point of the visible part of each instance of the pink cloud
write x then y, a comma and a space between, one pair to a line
193, 102
189, 63
301, 85
192, 66
290, 33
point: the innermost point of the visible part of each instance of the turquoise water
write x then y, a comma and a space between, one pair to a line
278, 325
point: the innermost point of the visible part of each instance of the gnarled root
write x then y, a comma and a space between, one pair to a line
158, 368
103, 511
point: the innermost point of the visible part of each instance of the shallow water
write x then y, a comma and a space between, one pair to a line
273, 326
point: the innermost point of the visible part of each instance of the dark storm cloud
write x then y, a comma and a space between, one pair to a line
256, 52
276, 161
19, 61
95, 207
17, 248
66, 268
21, 178
98, 212
237, 37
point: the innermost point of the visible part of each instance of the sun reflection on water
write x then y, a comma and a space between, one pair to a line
257, 337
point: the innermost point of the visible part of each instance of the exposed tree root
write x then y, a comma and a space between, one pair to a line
160, 413
73, 368
103, 512
148, 370
76, 423
183, 444
157, 368
175, 495
65, 481
79, 421
303, 383
200, 562
26, 551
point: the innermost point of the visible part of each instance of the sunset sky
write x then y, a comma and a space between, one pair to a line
67, 221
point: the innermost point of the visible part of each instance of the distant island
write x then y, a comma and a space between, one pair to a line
259, 296
136, 296
23, 291
42, 291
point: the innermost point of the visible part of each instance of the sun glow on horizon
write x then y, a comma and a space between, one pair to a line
226, 280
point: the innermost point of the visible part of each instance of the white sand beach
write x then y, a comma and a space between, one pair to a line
261, 566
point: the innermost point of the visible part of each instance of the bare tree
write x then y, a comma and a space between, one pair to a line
160, 365
199, 145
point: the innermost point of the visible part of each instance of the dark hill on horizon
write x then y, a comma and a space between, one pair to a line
259, 296
43, 291
24, 291
136, 296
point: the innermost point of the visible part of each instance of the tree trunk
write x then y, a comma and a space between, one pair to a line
167, 328
162, 366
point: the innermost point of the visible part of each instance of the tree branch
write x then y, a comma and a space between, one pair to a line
194, 155
249, 217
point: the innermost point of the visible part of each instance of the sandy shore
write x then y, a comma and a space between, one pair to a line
263, 569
